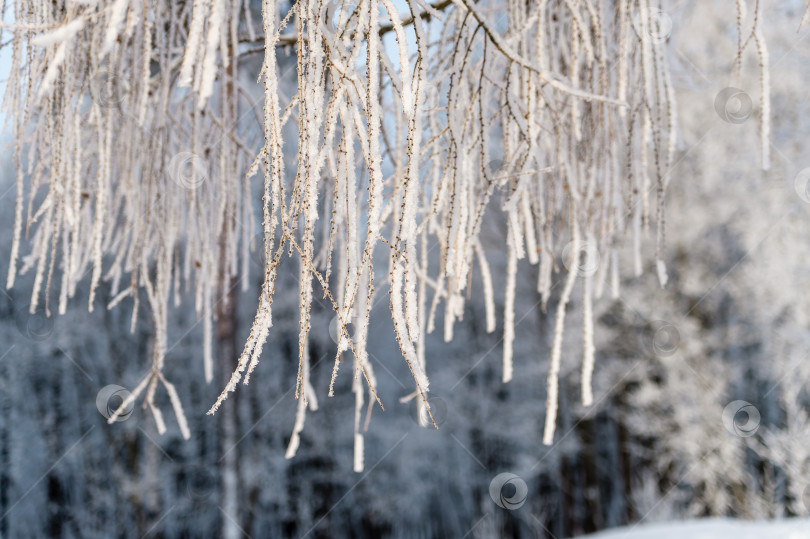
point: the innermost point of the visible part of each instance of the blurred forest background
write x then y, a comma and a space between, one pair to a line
731, 325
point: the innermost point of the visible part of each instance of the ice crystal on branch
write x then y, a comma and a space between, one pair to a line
134, 164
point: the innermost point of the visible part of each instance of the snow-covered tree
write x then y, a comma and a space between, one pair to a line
139, 135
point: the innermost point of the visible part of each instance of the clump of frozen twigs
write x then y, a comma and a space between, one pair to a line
412, 130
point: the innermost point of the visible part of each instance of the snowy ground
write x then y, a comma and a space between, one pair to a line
713, 529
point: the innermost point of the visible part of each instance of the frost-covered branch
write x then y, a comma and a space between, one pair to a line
134, 165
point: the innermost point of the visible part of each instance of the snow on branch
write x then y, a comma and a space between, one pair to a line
135, 146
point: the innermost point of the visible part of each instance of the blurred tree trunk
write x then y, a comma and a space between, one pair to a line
228, 350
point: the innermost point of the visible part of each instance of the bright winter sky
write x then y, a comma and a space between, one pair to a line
5, 66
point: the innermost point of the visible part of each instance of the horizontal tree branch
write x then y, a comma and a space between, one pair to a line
438, 6
292, 39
